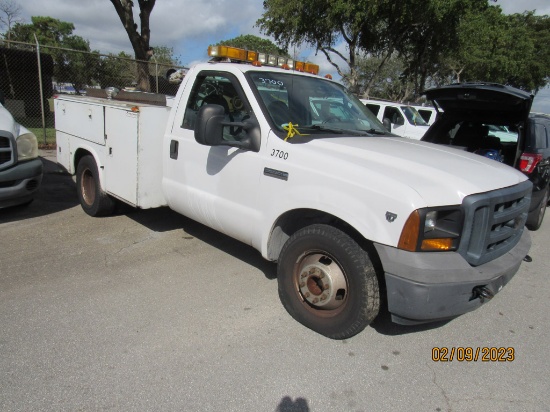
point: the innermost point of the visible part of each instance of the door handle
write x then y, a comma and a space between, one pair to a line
174, 146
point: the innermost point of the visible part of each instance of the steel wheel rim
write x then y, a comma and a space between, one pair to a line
320, 282
88, 187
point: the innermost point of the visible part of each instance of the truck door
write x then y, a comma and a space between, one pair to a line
218, 186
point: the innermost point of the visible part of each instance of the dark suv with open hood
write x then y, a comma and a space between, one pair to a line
494, 121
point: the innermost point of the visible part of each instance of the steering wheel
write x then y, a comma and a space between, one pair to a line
207, 89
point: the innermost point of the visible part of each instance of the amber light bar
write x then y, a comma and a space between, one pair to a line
234, 53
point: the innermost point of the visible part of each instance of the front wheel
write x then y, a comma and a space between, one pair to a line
327, 282
93, 199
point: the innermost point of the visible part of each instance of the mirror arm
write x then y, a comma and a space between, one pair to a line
244, 125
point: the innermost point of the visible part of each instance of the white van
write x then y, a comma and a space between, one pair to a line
400, 119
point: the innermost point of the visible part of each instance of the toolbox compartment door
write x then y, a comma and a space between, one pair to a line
82, 119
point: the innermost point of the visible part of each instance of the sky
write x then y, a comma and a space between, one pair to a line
190, 26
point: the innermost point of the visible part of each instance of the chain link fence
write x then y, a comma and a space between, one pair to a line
32, 74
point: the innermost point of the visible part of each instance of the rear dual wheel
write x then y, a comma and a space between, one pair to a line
327, 282
93, 199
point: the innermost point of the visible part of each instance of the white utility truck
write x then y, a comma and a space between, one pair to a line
297, 167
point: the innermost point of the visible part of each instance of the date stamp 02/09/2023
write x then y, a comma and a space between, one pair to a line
473, 354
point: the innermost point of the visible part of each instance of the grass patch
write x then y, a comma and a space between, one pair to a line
34, 124
49, 142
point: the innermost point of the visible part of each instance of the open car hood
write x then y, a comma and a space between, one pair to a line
487, 102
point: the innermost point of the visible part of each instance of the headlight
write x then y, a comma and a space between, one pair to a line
27, 146
433, 229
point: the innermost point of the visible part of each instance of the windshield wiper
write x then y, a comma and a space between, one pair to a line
336, 130
378, 132
324, 128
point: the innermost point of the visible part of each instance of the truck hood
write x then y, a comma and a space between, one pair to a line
8, 123
440, 175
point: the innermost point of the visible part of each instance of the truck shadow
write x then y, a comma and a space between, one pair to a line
57, 192
164, 219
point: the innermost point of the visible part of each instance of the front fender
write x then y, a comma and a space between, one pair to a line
376, 216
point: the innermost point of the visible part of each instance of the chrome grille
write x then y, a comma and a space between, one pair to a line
494, 222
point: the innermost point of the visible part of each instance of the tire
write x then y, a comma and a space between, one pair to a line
327, 282
535, 218
93, 199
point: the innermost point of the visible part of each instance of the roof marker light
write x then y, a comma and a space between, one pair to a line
252, 56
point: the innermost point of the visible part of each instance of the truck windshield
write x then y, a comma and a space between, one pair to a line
315, 105
413, 116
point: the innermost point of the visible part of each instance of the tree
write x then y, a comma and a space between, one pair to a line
9, 15
139, 39
116, 71
540, 63
509, 49
383, 81
463, 40
367, 28
430, 34
418, 31
251, 42
321, 24
55, 36
48, 31
165, 55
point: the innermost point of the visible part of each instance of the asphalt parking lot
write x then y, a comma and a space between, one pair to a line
150, 311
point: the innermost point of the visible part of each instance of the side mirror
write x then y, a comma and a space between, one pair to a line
209, 127
387, 124
2, 98
399, 121
210, 124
